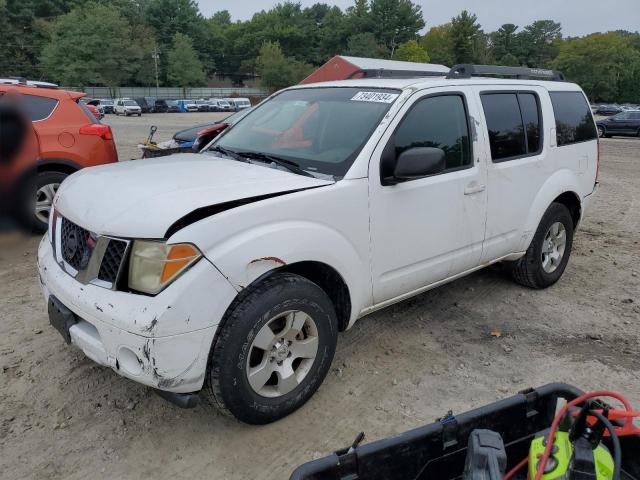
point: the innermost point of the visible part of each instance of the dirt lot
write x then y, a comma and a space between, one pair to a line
64, 417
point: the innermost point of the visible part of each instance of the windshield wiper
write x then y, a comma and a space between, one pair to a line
229, 153
283, 162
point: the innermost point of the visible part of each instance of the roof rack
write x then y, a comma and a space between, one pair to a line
468, 70
387, 73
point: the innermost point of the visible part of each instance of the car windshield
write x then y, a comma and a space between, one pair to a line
224, 103
320, 129
172, 103
106, 102
130, 103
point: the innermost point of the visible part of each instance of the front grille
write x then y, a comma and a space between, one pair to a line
112, 260
76, 244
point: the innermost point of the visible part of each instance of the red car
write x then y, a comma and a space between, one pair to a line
94, 111
66, 137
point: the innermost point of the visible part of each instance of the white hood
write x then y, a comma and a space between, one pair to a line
143, 198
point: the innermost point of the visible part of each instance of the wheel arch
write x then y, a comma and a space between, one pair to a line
57, 165
562, 187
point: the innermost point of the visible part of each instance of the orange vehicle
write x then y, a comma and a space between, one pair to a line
68, 138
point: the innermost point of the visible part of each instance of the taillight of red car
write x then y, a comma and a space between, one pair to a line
102, 131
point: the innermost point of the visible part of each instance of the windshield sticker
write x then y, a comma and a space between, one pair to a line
379, 97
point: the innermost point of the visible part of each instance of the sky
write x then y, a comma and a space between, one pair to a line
578, 17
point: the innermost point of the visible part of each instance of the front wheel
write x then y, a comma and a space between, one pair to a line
46, 185
549, 252
274, 349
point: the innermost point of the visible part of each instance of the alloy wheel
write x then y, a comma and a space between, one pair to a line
282, 354
553, 247
44, 201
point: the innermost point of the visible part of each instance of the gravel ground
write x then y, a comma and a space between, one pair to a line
62, 416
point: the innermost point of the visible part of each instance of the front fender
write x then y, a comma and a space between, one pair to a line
329, 225
560, 182
245, 257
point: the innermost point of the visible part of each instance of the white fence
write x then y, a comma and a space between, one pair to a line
170, 92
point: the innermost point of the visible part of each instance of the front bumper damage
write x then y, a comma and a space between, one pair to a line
162, 341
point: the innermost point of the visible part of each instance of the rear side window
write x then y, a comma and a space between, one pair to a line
574, 122
635, 116
38, 108
438, 122
513, 122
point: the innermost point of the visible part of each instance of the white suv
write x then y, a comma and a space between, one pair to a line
126, 107
230, 273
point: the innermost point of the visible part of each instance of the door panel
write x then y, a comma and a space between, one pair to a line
517, 164
428, 229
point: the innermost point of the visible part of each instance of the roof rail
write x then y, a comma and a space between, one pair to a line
467, 70
387, 73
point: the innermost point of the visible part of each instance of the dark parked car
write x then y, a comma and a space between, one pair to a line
147, 104
203, 105
624, 123
172, 106
608, 110
199, 135
160, 106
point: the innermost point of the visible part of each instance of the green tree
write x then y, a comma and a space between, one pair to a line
411, 51
465, 31
605, 65
540, 42
438, 42
278, 71
395, 21
184, 68
168, 17
76, 54
505, 42
365, 45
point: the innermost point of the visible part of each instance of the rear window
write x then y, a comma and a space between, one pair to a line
574, 122
513, 122
38, 108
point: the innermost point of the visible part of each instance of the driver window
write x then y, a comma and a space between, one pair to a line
439, 122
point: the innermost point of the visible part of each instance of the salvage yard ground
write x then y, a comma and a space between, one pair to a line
457, 347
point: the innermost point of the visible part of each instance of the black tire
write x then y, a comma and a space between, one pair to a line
42, 179
601, 131
227, 386
528, 270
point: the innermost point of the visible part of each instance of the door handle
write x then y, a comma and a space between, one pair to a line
474, 188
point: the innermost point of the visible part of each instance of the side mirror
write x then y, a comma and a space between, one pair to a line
419, 162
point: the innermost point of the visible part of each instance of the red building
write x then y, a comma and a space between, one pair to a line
342, 67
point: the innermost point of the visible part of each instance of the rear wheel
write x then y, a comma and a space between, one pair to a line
601, 131
549, 252
274, 349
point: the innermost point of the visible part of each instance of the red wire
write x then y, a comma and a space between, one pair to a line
516, 469
562, 413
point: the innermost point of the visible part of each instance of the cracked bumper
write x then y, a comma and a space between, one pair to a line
160, 341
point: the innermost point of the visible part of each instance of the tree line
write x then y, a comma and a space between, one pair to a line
120, 42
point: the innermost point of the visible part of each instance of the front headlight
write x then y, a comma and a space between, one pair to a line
154, 264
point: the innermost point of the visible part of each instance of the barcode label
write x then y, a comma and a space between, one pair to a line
379, 97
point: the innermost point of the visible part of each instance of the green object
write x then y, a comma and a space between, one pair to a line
560, 460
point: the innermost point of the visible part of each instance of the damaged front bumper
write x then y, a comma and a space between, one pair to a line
160, 341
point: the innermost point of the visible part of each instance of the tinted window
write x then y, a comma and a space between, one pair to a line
38, 108
504, 122
439, 122
635, 116
531, 118
574, 122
